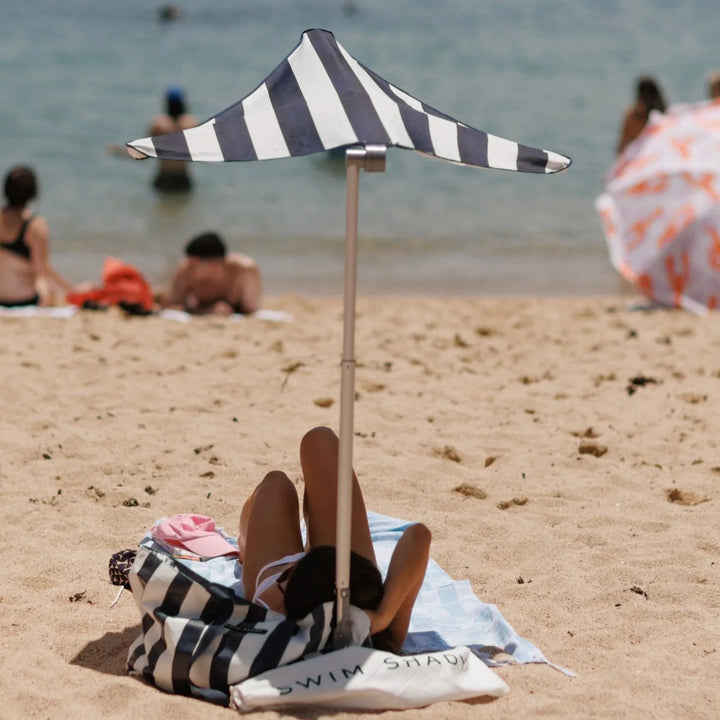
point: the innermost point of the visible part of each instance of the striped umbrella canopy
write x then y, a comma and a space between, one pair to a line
320, 98
317, 99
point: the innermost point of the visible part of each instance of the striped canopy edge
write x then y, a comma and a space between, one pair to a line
320, 98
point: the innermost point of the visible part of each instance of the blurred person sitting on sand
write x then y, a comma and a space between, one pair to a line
283, 574
648, 97
211, 281
173, 175
26, 275
713, 86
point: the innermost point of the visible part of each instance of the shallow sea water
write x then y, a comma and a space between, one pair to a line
551, 73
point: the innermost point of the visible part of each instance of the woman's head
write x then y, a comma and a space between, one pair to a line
313, 582
20, 186
649, 93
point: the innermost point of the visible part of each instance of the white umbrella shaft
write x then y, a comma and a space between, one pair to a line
372, 159
347, 399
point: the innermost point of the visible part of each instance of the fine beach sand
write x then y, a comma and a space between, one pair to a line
583, 437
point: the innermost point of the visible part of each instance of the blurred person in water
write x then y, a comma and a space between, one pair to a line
173, 175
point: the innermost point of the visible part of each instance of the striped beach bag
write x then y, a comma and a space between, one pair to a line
198, 637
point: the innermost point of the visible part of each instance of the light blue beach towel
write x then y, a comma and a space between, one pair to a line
446, 614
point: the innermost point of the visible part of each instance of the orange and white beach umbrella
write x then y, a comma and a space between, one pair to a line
660, 210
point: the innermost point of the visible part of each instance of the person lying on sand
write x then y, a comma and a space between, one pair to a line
211, 281
283, 575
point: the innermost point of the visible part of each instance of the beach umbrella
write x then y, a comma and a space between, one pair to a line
317, 99
660, 209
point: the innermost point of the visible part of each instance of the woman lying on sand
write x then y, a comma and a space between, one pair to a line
282, 575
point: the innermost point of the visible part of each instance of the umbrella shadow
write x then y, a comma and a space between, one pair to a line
108, 654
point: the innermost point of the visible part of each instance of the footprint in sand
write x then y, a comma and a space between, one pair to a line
589, 433
680, 497
324, 402
693, 398
470, 491
639, 381
592, 448
505, 504
449, 453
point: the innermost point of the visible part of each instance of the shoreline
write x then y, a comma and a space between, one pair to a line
579, 272
589, 432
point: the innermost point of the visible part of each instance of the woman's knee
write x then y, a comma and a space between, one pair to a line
320, 439
276, 484
420, 534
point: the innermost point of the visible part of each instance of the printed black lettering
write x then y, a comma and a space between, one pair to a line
411, 660
284, 690
332, 677
451, 659
310, 681
348, 673
392, 664
432, 659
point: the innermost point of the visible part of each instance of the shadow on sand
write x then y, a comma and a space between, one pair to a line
108, 654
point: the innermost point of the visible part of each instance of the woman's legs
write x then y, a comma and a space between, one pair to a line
269, 526
319, 460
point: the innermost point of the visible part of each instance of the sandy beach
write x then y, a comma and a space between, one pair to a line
584, 433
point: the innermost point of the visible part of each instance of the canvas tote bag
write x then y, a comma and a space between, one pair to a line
199, 638
362, 678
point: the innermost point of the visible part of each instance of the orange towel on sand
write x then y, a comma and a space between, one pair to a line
122, 283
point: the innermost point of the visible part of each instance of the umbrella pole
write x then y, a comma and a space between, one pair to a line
372, 159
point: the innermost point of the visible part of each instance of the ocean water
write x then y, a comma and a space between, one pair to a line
78, 76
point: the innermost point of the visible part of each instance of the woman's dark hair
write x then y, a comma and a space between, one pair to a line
208, 246
649, 93
20, 186
313, 582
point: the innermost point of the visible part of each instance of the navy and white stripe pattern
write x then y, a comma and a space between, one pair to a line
320, 98
199, 638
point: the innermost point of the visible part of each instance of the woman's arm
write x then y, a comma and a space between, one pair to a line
246, 289
404, 578
633, 124
46, 275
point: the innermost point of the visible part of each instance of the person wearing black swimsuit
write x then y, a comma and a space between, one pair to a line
173, 175
26, 276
